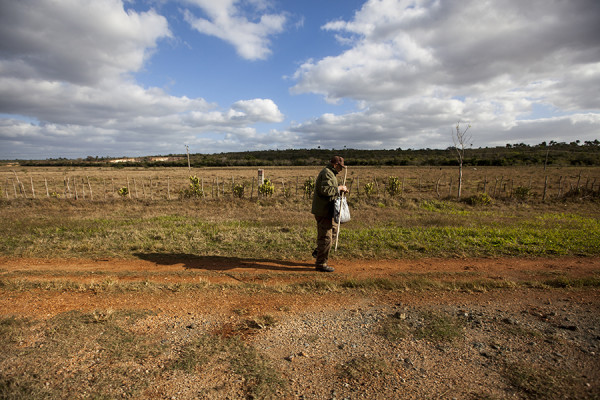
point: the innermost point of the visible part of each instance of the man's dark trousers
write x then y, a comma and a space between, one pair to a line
326, 230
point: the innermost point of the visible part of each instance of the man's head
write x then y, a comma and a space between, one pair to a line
337, 162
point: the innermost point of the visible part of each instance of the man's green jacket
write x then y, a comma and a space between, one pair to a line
326, 190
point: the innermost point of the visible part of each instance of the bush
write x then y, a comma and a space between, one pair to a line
369, 189
267, 188
308, 187
479, 199
194, 189
238, 191
124, 191
394, 186
522, 193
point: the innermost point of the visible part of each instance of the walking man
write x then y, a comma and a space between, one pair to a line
326, 191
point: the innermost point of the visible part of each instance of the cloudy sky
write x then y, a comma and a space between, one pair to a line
129, 77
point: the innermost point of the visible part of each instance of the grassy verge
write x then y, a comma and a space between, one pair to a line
285, 230
408, 282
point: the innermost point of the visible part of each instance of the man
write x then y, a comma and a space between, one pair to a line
326, 191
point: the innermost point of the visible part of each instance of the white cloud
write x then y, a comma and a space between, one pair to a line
67, 41
259, 109
66, 72
422, 65
227, 21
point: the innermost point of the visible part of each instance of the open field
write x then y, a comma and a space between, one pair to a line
167, 183
140, 296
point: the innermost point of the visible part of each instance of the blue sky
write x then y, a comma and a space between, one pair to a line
133, 78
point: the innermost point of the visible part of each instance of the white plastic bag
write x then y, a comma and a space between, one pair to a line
341, 212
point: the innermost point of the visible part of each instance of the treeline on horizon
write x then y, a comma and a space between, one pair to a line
551, 154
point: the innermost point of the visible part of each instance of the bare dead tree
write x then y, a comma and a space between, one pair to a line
461, 140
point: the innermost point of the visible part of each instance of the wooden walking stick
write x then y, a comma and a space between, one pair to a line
337, 234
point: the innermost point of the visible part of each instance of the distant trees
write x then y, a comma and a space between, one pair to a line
550, 153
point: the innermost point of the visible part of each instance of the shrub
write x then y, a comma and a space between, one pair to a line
308, 187
194, 189
124, 191
267, 188
522, 193
394, 186
479, 199
238, 191
369, 189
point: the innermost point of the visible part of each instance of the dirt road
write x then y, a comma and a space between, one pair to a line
333, 335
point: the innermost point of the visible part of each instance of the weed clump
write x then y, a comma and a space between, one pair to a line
267, 188
479, 199
194, 189
394, 186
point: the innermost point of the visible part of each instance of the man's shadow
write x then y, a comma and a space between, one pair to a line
219, 263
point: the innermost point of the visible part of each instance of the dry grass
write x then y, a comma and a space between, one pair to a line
416, 182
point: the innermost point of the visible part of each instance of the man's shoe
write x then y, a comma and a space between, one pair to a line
315, 253
324, 268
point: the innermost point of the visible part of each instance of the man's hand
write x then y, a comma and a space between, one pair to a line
342, 189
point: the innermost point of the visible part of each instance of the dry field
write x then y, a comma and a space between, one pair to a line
166, 183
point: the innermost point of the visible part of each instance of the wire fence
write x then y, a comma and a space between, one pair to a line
364, 183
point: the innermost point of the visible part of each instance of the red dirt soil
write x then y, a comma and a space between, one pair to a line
43, 303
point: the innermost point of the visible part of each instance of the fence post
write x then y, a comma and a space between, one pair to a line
90, 187
545, 187
560, 186
20, 184
350, 188
168, 188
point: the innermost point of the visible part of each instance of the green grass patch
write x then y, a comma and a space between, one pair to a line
277, 230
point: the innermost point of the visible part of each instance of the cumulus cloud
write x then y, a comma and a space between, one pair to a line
66, 83
67, 41
227, 21
420, 66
